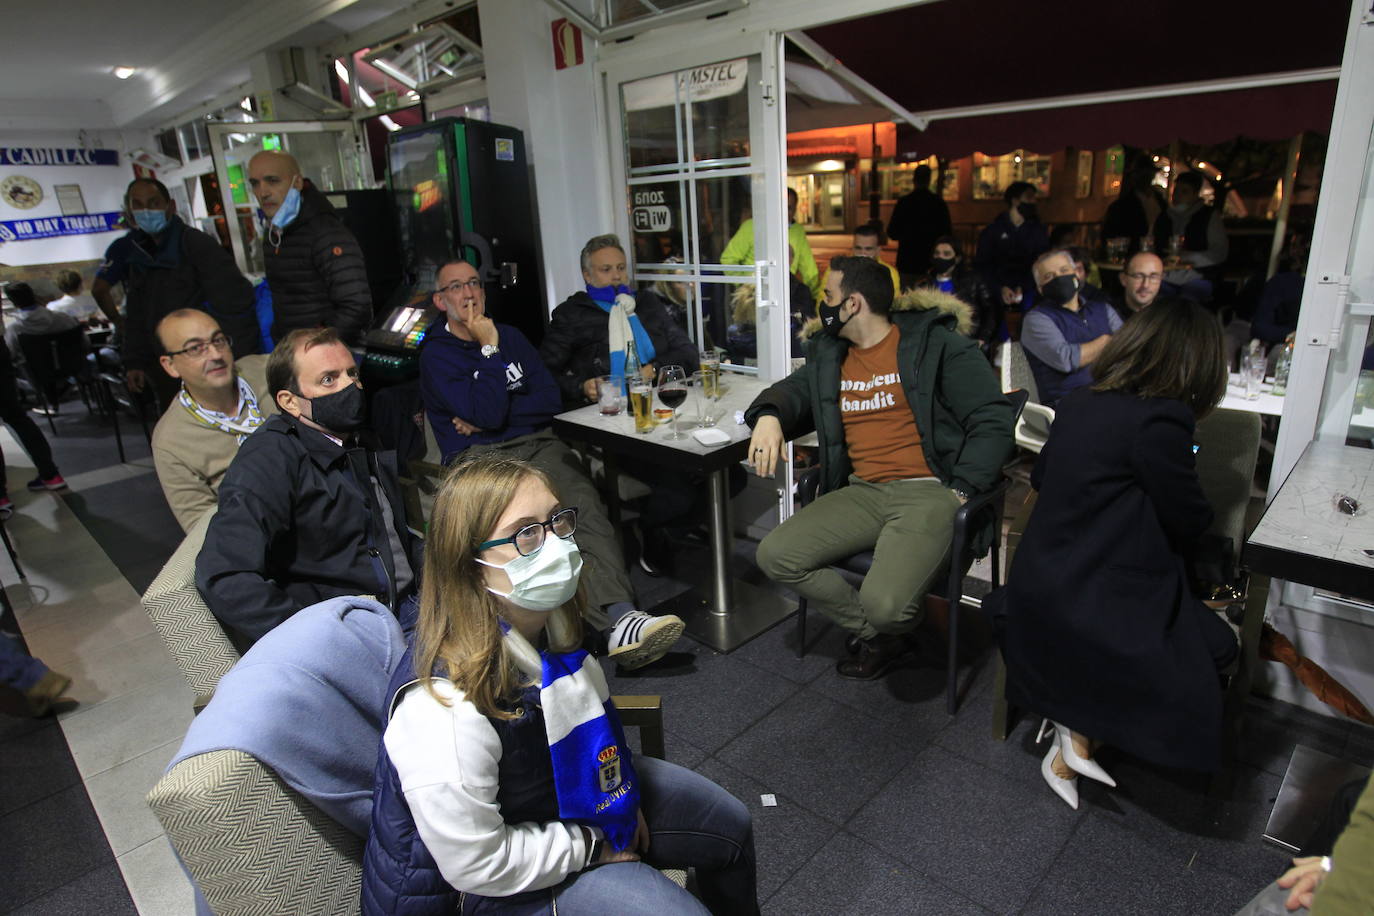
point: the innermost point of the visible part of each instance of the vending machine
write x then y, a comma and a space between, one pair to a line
460, 188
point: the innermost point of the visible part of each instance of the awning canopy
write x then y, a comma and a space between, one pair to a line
960, 54
1269, 113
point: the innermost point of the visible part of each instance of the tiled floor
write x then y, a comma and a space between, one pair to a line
87, 833
884, 803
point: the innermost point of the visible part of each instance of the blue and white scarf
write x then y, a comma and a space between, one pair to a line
619, 303
240, 429
593, 773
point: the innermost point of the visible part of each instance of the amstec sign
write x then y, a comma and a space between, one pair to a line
30, 155
650, 213
21, 230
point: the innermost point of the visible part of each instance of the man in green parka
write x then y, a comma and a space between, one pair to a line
911, 421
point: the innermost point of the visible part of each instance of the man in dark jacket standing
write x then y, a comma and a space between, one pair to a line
306, 512
1008, 245
917, 221
315, 268
166, 266
911, 423
484, 388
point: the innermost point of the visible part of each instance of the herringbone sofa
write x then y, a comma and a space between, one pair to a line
252, 844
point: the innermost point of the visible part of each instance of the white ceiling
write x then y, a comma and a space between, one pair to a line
187, 51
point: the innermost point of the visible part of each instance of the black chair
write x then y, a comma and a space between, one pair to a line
985, 508
112, 394
50, 360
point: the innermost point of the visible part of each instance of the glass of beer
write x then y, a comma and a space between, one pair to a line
710, 373
707, 407
641, 403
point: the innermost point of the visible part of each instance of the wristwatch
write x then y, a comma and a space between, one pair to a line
961, 494
490, 350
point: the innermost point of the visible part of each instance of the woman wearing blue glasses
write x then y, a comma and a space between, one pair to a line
504, 785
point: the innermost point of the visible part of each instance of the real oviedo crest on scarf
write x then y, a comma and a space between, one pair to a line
609, 772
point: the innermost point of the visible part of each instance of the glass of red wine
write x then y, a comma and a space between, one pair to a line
672, 391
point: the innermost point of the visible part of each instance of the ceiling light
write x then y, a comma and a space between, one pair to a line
829, 165
124, 73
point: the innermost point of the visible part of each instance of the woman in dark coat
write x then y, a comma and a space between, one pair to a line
1100, 632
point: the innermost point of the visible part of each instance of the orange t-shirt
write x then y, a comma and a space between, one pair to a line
879, 428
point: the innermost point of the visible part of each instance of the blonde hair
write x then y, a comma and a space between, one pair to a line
458, 635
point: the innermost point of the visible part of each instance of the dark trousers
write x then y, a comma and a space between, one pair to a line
19, 421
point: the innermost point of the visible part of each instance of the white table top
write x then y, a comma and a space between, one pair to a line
1303, 519
740, 391
1266, 403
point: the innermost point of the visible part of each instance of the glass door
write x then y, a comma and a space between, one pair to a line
328, 152
700, 156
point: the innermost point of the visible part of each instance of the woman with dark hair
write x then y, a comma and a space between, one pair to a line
1099, 630
504, 785
949, 274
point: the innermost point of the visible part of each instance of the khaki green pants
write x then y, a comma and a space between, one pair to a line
906, 523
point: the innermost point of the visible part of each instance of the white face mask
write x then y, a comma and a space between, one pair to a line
544, 580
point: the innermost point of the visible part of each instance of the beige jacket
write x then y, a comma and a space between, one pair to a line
191, 458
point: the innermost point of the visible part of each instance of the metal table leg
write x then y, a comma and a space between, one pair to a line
728, 613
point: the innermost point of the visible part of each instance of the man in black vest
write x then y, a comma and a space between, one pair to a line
1203, 245
314, 265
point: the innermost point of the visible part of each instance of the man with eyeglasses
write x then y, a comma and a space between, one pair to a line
307, 511
219, 405
485, 388
1140, 283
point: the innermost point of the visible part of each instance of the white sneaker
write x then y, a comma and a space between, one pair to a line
639, 638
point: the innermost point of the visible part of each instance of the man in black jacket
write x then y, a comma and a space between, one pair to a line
305, 512
576, 347
166, 266
314, 266
917, 221
577, 350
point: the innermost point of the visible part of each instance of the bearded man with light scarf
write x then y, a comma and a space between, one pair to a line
219, 405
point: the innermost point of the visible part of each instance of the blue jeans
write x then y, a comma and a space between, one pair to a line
18, 668
692, 823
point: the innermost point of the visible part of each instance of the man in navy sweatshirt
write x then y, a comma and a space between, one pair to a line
484, 387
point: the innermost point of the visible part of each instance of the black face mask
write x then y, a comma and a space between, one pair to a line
942, 265
341, 412
830, 317
1029, 211
1060, 290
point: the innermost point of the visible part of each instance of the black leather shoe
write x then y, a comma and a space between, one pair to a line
852, 643
876, 657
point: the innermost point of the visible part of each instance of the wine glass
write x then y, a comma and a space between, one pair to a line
672, 391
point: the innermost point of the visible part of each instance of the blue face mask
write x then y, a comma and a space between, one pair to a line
289, 209
151, 221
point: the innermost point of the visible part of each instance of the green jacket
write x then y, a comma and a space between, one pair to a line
964, 419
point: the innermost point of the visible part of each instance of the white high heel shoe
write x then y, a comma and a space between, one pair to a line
1083, 766
1066, 789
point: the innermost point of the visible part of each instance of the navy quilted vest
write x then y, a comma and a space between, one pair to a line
400, 877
